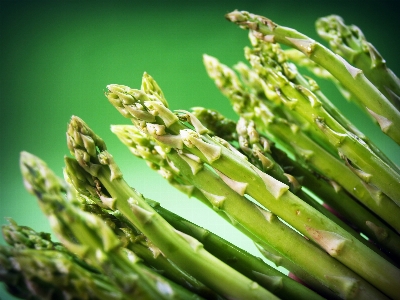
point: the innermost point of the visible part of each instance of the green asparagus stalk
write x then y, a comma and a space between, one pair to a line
215, 122
130, 236
250, 144
353, 79
329, 192
264, 112
259, 224
302, 60
266, 190
350, 43
273, 57
50, 274
300, 100
90, 238
305, 278
369, 225
257, 86
298, 143
245, 263
24, 237
36, 266
354, 213
183, 250
143, 147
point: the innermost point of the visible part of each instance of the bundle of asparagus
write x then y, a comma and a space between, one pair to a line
314, 194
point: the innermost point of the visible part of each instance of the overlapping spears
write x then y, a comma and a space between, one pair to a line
314, 194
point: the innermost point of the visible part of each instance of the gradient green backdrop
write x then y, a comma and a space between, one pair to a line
56, 59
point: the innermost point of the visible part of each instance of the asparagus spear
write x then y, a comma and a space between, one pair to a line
329, 192
91, 238
143, 147
37, 267
50, 274
251, 266
185, 251
129, 235
353, 79
260, 225
253, 81
24, 237
263, 115
350, 43
257, 86
300, 100
272, 56
295, 141
167, 128
305, 278
250, 143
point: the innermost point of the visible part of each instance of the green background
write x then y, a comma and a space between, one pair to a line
56, 59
